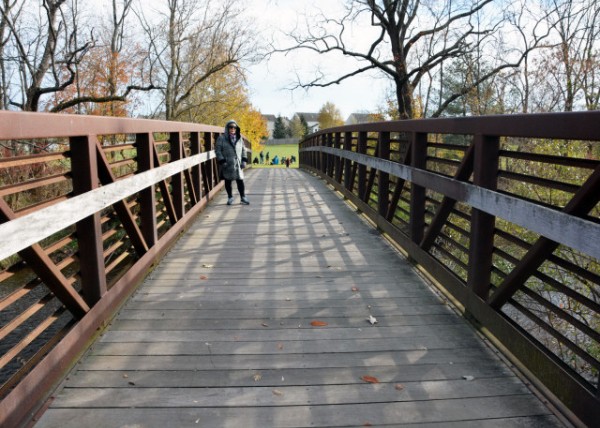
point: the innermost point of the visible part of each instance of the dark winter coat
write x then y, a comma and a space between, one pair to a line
231, 156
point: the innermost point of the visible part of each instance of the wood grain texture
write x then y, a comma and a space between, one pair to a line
220, 334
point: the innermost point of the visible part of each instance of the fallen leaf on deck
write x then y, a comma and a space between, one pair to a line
207, 266
280, 346
125, 376
468, 377
257, 377
370, 379
265, 324
372, 319
131, 383
277, 392
203, 277
399, 387
355, 289
318, 323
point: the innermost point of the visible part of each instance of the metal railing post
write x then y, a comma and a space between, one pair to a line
481, 246
145, 159
84, 168
417, 193
177, 192
383, 181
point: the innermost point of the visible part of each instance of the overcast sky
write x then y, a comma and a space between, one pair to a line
268, 80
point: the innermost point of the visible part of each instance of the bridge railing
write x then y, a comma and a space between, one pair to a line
502, 212
88, 205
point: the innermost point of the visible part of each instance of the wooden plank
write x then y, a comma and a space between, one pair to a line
437, 314
269, 377
508, 412
25, 231
220, 333
387, 344
260, 396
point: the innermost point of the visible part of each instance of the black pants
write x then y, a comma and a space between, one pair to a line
240, 186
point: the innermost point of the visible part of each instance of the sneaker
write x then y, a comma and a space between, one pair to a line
245, 200
230, 201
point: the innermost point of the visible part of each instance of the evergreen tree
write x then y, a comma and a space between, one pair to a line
304, 124
280, 130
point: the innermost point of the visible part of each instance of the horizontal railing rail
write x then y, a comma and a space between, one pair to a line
89, 205
503, 214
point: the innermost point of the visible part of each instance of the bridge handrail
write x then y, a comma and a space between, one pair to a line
502, 212
88, 205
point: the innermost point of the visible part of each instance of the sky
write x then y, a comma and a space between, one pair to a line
269, 79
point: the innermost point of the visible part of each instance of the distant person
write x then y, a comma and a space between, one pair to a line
232, 157
287, 162
268, 158
262, 157
255, 161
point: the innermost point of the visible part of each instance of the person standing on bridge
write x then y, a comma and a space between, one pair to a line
232, 157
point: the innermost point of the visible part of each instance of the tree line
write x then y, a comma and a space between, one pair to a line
468, 57
175, 59
187, 59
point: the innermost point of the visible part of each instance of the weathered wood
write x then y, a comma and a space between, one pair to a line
220, 334
31, 228
540, 219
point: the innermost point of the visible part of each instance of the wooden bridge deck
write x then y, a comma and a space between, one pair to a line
221, 332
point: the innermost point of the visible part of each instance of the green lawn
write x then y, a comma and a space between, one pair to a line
282, 151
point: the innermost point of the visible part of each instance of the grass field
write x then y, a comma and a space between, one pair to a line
282, 151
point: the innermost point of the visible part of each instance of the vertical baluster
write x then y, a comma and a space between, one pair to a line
417, 193
176, 153
383, 181
196, 173
348, 162
84, 168
145, 160
337, 143
485, 174
362, 169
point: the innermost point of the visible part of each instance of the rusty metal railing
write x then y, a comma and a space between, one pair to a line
88, 205
502, 212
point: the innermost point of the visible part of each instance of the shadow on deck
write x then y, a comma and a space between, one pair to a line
258, 317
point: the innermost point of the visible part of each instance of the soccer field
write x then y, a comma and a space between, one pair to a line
281, 151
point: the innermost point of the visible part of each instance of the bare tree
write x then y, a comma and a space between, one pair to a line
45, 59
7, 6
194, 40
44, 49
415, 38
572, 65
